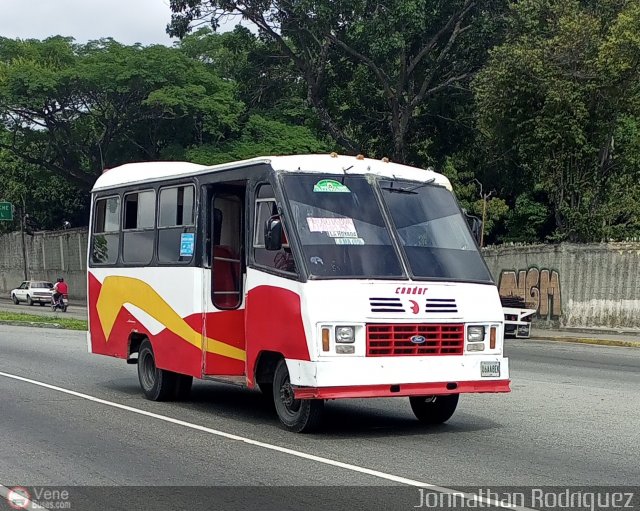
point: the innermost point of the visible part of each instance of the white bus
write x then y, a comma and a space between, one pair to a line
309, 277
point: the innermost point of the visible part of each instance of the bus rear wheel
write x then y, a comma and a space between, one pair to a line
434, 409
157, 384
297, 415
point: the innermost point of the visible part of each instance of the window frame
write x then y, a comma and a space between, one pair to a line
93, 233
192, 225
123, 231
124, 202
220, 191
159, 191
255, 199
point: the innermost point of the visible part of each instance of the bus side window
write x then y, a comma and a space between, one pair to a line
226, 269
265, 208
175, 218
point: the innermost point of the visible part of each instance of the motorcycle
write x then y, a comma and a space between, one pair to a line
61, 303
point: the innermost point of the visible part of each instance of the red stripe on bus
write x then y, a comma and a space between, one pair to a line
406, 389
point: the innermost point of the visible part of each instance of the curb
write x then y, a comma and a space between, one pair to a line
36, 324
582, 340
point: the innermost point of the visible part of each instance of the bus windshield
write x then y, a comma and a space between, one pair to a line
343, 232
434, 235
341, 227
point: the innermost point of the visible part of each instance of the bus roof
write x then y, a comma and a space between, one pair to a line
148, 172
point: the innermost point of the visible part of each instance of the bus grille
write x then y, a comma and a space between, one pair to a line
393, 340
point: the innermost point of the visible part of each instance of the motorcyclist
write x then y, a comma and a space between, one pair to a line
60, 289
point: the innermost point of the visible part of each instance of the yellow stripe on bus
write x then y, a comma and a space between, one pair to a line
117, 291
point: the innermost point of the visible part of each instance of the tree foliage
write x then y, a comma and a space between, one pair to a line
77, 109
559, 104
396, 54
536, 102
69, 111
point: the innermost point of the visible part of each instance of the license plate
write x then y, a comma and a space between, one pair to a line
489, 369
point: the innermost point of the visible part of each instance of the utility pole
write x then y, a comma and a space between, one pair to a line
484, 197
24, 245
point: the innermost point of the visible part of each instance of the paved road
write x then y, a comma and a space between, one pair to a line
572, 419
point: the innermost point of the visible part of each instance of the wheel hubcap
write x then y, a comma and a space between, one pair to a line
287, 397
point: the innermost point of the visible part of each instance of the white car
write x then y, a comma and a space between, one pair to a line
33, 291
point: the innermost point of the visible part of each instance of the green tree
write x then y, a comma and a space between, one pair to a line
559, 105
47, 198
467, 189
394, 56
77, 109
260, 137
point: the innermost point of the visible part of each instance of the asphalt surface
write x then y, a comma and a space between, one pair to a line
571, 419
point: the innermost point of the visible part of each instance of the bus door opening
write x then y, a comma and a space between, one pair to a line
224, 314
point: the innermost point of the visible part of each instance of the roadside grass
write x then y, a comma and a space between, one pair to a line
29, 319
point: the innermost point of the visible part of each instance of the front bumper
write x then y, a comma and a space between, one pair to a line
409, 389
380, 373
519, 329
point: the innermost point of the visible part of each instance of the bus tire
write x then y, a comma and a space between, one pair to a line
434, 409
297, 415
157, 384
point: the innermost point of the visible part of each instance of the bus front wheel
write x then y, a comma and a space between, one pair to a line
157, 384
297, 415
434, 409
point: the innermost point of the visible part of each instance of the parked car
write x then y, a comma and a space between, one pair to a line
32, 291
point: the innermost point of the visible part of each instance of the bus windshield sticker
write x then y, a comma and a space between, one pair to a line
332, 225
342, 234
187, 242
349, 241
330, 185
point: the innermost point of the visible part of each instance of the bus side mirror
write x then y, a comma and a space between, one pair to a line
273, 234
475, 224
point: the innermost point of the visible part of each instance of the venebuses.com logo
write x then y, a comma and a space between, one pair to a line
18, 497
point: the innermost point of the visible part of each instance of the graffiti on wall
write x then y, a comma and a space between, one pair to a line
540, 289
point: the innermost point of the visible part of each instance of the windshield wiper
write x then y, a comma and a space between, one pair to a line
407, 189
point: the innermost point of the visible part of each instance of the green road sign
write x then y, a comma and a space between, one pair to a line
6, 211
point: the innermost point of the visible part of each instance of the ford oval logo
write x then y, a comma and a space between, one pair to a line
418, 339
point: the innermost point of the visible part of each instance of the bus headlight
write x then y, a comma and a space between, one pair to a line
475, 333
345, 334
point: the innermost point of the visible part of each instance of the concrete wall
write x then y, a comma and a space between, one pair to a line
591, 285
49, 255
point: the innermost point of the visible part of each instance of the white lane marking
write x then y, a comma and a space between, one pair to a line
271, 447
30, 504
